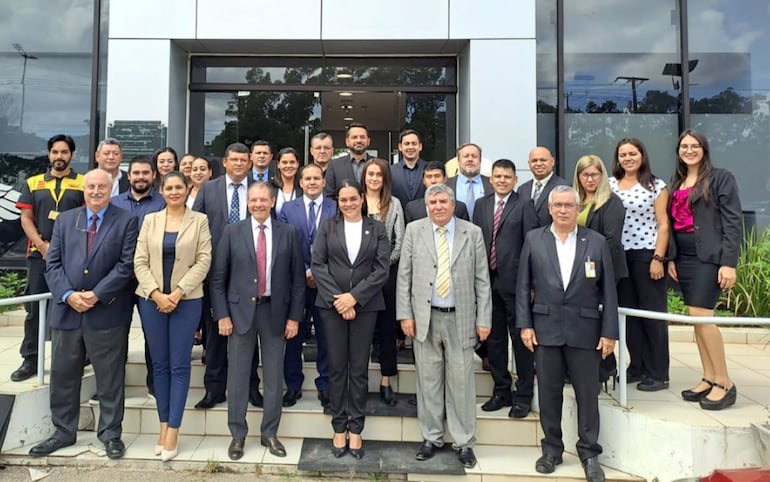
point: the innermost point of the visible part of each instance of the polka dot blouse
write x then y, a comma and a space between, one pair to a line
640, 228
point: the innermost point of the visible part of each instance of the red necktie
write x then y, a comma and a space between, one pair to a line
495, 227
92, 232
261, 261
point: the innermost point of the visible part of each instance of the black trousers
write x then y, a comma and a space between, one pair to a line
35, 285
386, 327
647, 339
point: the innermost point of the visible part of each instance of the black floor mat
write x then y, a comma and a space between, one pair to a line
376, 407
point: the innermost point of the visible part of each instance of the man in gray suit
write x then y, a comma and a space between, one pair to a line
444, 301
565, 275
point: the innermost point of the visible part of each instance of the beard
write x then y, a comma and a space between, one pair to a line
358, 150
141, 190
60, 165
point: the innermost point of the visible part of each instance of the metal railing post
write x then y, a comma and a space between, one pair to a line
622, 360
41, 334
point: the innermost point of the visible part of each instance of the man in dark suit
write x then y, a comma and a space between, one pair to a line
565, 275
257, 256
541, 163
321, 150
223, 201
469, 185
90, 266
505, 220
306, 214
434, 173
406, 176
351, 166
263, 167
108, 156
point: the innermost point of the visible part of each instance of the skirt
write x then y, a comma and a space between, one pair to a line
698, 280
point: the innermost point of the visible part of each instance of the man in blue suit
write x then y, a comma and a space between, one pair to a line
306, 214
90, 266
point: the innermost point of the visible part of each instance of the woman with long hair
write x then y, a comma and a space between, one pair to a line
286, 182
165, 160
200, 172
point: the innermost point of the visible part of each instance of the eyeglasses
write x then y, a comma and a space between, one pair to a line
560, 206
591, 175
694, 147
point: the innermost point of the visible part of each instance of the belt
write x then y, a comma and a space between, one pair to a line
262, 299
441, 309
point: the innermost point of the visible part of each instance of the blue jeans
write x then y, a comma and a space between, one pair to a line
170, 337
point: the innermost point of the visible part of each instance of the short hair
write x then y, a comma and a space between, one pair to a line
261, 142
261, 184
504, 164
287, 150
353, 125
321, 136
409, 132
109, 141
434, 166
562, 189
171, 175
141, 160
468, 144
439, 189
309, 166
237, 147
61, 138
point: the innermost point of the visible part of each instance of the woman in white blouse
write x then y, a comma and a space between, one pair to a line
286, 182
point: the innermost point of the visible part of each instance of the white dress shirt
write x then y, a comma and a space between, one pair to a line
566, 253
269, 245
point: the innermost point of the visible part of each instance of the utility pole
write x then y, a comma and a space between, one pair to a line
633, 81
26, 56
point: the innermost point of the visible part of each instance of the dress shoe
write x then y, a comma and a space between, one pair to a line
547, 463
412, 400
519, 410
495, 403
158, 449
166, 455
48, 447
427, 451
388, 396
255, 398
651, 385
358, 453
290, 397
593, 471
485, 365
466, 457
235, 450
339, 451
323, 397
634, 377
274, 446
728, 400
209, 400
693, 396
28, 369
115, 448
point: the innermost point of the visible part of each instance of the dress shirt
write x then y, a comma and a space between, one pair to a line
242, 197
318, 203
358, 167
497, 200
269, 245
151, 203
542, 182
436, 300
116, 184
462, 189
413, 179
78, 226
353, 237
566, 253
265, 175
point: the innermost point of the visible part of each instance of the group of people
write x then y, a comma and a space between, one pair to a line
364, 251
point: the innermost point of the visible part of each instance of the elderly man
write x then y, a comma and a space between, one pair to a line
565, 275
108, 156
470, 185
322, 149
444, 302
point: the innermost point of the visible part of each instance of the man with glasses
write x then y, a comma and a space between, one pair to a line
109, 155
541, 163
321, 150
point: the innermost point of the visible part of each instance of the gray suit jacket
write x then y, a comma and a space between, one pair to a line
470, 279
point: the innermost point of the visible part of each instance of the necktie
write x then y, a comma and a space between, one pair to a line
538, 190
261, 177
495, 227
235, 205
92, 232
261, 261
311, 221
470, 198
443, 279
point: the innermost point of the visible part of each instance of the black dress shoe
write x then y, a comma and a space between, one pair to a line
693, 396
387, 396
28, 369
634, 377
290, 397
412, 400
274, 446
495, 403
48, 447
593, 470
651, 385
519, 410
255, 398
209, 400
323, 397
728, 400
466, 457
115, 448
235, 450
547, 463
427, 451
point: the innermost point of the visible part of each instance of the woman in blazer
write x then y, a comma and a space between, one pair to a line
173, 255
350, 265
705, 212
286, 183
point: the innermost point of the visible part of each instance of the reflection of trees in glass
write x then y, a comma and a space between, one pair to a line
426, 114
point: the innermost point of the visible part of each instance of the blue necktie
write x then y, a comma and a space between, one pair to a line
235, 206
470, 199
311, 221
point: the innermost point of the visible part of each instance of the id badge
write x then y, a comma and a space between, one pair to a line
53, 214
590, 269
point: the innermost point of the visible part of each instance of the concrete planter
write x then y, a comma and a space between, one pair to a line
762, 436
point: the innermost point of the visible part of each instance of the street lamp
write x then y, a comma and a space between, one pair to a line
26, 56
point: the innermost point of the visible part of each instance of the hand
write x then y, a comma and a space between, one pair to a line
89, 297
76, 302
292, 328
408, 327
483, 332
656, 270
164, 302
606, 345
726, 277
176, 296
528, 338
225, 326
344, 302
43, 248
309, 280
672, 271
349, 314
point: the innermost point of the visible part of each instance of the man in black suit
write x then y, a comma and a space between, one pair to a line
565, 275
434, 173
90, 266
322, 150
406, 176
351, 166
505, 220
263, 167
541, 163
223, 201
257, 256
108, 156
469, 185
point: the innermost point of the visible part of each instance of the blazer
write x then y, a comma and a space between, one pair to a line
212, 200
400, 188
123, 184
568, 317
417, 210
193, 255
108, 270
718, 231
488, 189
335, 274
608, 221
340, 169
294, 213
276, 185
517, 220
234, 280
541, 207
469, 272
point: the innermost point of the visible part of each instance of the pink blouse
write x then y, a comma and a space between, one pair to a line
681, 212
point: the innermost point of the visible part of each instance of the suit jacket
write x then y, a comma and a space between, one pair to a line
718, 232
517, 220
570, 317
488, 189
123, 184
469, 272
294, 213
234, 277
193, 255
213, 201
107, 271
417, 210
276, 185
608, 220
400, 188
541, 207
335, 274
340, 169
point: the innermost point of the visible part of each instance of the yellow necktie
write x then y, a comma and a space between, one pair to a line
443, 279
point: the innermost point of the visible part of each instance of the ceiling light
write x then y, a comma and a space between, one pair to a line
347, 119
344, 75
346, 94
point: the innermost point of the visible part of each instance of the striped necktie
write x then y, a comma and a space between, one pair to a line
443, 279
495, 227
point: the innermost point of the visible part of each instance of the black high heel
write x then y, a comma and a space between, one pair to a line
388, 396
693, 396
339, 451
728, 400
358, 453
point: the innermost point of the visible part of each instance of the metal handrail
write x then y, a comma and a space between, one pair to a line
656, 315
42, 298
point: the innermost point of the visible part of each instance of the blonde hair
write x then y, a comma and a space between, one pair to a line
603, 191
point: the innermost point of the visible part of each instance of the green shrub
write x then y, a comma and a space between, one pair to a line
750, 296
12, 284
676, 304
